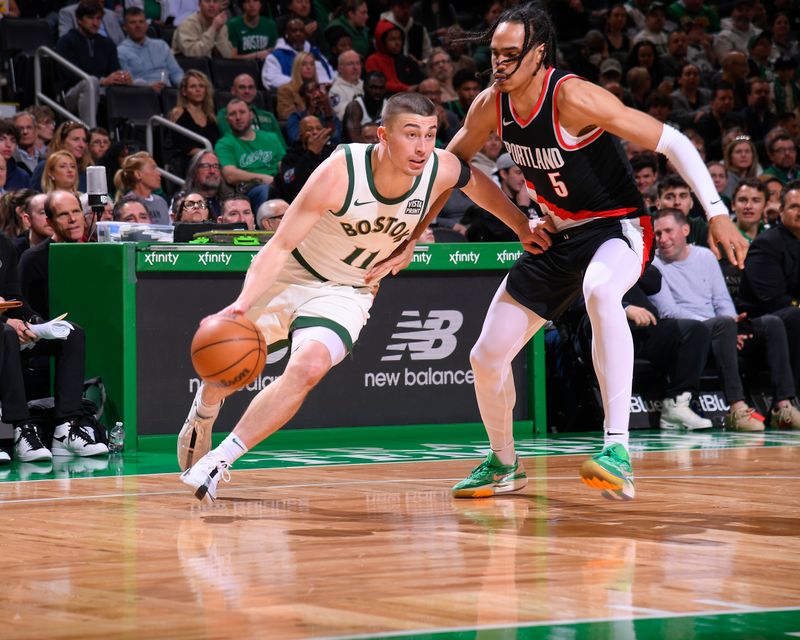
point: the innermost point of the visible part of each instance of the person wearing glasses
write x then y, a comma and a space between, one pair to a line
783, 158
205, 177
190, 207
270, 214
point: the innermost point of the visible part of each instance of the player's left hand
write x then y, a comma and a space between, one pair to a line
536, 238
721, 230
394, 264
236, 308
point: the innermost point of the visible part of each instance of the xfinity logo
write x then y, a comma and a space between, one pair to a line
214, 258
430, 339
161, 258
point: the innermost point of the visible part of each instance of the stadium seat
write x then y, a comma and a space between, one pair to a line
198, 64
19, 40
224, 71
25, 35
130, 106
169, 100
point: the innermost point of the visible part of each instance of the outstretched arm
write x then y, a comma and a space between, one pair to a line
582, 105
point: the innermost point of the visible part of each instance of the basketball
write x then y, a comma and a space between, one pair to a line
228, 351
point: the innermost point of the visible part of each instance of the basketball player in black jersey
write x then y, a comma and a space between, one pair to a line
563, 132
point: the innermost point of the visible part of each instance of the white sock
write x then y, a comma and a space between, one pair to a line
616, 438
231, 449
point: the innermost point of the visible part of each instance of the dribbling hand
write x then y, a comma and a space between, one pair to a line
234, 309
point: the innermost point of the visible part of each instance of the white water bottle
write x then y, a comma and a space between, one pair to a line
116, 438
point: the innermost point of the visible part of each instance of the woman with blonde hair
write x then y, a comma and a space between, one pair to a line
139, 175
72, 137
304, 68
741, 161
195, 112
60, 172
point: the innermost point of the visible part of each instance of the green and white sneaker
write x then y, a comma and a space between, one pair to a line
611, 472
491, 477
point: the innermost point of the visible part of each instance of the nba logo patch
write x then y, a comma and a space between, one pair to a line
414, 207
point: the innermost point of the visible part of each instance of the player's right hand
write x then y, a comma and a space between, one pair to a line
234, 309
536, 238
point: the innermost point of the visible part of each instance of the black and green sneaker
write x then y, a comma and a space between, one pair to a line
491, 477
611, 472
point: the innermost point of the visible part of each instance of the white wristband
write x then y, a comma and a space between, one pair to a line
684, 157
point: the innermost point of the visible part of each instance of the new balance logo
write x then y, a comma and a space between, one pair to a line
431, 339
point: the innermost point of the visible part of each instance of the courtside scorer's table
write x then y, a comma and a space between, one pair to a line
140, 305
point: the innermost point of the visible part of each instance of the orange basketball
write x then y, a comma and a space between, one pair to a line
228, 351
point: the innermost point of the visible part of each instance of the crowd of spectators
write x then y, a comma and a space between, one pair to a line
725, 74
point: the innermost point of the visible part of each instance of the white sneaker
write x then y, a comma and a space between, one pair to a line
74, 438
204, 476
28, 446
677, 414
4, 457
194, 439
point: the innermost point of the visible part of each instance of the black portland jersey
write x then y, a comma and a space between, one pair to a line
574, 179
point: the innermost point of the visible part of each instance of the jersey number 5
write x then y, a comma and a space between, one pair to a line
558, 186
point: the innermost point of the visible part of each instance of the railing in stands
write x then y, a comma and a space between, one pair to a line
160, 120
41, 97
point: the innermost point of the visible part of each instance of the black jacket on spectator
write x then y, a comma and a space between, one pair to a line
96, 56
33, 274
296, 168
771, 278
9, 283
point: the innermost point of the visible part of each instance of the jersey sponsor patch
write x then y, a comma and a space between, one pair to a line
414, 207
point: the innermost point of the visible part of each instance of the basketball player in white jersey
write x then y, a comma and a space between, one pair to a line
563, 132
308, 282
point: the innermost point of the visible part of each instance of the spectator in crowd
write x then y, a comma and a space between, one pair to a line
45, 126
467, 88
693, 287
68, 19
244, 87
454, 43
338, 42
35, 220
72, 137
348, 85
27, 155
440, 67
719, 175
749, 200
758, 116
289, 98
673, 193
350, 18
189, 206
645, 170
687, 13
139, 175
486, 158
270, 214
236, 208
784, 40
278, 65
783, 158
252, 35
689, 98
204, 33
60, 173
313, 22
675, 58
640, 85
585, 61
741, 161
131, 208
94, 54
485, 227
416, 41
311, 148
99, 143
659, 106
15, 178
784, 87
369, 133
734, 70
655, 19
699, 51
367, 108
447, 121
112, 161
149, 61
758, 62
736, 36
481, 53
248, 155
3, 169
12, 204
401, 71
772, 208
204, 177
75, 433
194, 111
711, 122
316, 104
436, 19
615, 30
771, 280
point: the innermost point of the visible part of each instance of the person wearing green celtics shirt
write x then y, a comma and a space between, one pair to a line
244, 88
252, 35
351, 19
248, 155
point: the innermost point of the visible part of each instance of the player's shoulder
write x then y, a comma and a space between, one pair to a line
449, 167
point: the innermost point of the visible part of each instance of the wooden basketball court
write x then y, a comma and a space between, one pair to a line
708, 549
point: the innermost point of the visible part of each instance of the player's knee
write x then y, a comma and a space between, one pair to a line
310, 367
483, 359
601, 294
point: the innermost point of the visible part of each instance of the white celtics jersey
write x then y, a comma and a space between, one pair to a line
345, 244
